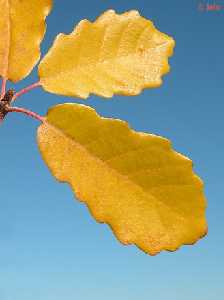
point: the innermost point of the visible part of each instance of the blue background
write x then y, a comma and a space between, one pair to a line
50, 247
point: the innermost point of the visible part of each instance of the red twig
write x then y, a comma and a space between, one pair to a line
3, 89
26, 112
25, 90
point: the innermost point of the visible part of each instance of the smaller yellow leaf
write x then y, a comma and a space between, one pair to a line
22, 28
133, 181
116, 54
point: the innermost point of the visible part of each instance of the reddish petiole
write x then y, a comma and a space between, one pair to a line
7, 98
3, 89
26, 112
26, 90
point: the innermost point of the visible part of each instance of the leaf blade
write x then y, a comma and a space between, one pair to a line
22, 27
125, 51
134, 182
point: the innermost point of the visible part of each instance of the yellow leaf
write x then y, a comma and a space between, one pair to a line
133, 181
22, 28
116, 54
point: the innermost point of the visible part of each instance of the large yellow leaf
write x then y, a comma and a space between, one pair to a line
119, 54
133, 181
22, 28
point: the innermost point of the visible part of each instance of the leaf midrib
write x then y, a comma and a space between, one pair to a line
127, 178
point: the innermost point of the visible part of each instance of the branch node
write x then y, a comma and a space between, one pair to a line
5, 103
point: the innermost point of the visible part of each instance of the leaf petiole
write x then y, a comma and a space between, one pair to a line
25, 90
6, 101
26, 112
3, 89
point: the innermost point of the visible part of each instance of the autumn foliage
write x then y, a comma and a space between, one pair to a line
135, 182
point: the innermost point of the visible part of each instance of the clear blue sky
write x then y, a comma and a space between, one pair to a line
50, 247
